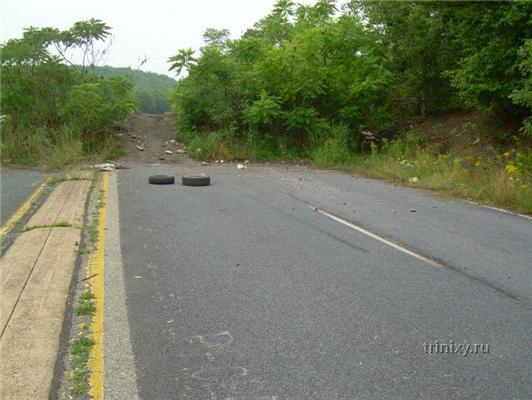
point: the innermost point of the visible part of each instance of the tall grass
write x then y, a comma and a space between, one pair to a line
226, 145
410, 162
51, 148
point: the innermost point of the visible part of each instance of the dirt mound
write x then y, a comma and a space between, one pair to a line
150, 139
469, 132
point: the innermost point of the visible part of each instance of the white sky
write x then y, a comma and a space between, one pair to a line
157, 28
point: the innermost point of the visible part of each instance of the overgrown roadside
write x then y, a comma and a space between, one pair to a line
472, 167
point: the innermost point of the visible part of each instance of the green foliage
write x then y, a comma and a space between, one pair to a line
53, 113
263, 111
92, 107
296, 72
304, 68
182, 60
227, 145
489, 37
334, 150
522, 94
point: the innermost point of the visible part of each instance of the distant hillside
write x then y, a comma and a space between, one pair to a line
139, 78
150, 88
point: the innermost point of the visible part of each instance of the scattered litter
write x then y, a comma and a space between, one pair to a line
105, 167
168, 152
204, 163
222, 161
141, 147
138, 277
412, 210
172, 141
476, 141
414, 179
169, 321
241, 166
314, 208
246, 161
180, 151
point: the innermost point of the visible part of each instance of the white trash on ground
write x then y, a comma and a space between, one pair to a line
105, 167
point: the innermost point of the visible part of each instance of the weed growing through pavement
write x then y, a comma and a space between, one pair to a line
86, 305
79, 357
58, 224
81, 346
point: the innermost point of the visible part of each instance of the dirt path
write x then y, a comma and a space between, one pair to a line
150, 139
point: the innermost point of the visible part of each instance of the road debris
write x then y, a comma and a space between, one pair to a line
180, 151
412, 210
168, 152
105, 167
141, 147
241, 166
413, 179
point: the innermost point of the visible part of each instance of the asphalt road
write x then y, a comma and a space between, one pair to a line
260, 287
16, 185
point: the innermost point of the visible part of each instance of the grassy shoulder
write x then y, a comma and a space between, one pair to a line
503, 180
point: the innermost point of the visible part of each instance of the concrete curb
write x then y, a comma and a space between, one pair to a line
35, 277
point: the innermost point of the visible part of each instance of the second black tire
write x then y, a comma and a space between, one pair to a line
196, 180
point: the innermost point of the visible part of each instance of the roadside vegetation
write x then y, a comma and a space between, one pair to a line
314, 82
83, 342
53, 112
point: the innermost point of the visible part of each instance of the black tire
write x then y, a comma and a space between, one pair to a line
161, 179
196, 180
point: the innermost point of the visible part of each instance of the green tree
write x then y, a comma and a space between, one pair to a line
183, 60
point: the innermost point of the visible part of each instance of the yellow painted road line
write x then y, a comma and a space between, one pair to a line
96, 270
22, 210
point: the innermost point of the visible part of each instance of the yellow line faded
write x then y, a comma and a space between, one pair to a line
96, 270
22, 210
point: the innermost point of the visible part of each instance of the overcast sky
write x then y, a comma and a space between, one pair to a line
157, 28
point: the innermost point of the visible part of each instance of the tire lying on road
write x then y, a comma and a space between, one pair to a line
161, 179
196, 180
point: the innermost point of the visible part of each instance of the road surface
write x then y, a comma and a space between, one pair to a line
291, 283
16, 185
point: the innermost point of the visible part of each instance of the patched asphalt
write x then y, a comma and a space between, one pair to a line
241, 290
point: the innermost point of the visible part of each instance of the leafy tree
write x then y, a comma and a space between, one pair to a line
44, 95
84, 37
490, 38
522, 95
305, 70
184, 59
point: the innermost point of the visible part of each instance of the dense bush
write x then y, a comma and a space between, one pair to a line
304, 69
48, 103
